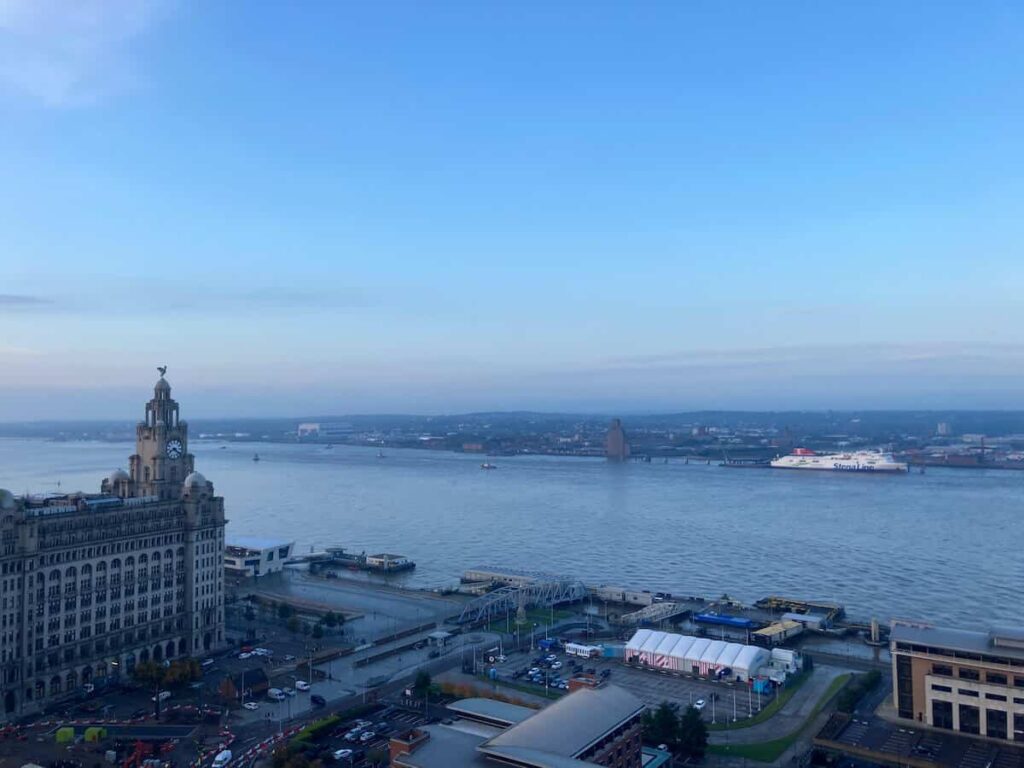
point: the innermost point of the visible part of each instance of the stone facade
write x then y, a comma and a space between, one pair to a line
92, 584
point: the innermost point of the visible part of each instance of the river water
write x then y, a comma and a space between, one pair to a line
947, 546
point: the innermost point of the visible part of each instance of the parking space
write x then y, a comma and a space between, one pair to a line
717, 701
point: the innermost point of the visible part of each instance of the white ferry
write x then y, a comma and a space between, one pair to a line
855, 461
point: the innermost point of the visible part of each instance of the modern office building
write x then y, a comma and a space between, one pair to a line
248, 556
93, 584
967, 681
598, 725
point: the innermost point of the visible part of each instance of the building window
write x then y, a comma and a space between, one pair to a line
1018, 726
967, 692
942, 688
942, 669
966, 673
970, 719
905, 686
995, 697
1018, 682
996, 678
995, 723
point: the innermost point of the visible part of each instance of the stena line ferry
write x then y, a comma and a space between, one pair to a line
855, 461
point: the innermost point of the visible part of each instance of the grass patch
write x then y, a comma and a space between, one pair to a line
539, 616
770, 751
777, 703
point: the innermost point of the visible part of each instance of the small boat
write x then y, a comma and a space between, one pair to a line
255, 457
488, 465
380, 455
223, 447
330, 447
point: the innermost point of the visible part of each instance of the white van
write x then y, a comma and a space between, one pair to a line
275, 694
222, 759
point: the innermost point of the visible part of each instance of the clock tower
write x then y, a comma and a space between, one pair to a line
161, 461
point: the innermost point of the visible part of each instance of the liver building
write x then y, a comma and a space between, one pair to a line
93, 584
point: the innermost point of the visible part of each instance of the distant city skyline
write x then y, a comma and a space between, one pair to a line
399, 207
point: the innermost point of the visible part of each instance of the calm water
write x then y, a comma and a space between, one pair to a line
945, 546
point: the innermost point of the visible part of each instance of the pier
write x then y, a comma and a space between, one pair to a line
337, 558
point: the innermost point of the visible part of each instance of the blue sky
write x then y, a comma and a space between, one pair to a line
420, 207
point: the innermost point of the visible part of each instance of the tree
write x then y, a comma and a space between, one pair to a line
662, 725
284, 611
693, 734
318, 631
331, 619
227, 689
293, 623
422, 684
151, 673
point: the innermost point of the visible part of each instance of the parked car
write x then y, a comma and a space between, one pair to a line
301, 685
343, 754
289, 657
556, 665
288, 691
366, 736
699, 704
354, 734
252, 706
245, 655
606, 673
275, 694
317, 700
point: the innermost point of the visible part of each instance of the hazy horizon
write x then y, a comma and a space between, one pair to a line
453, 207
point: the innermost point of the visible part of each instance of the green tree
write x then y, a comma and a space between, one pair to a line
293, 624
422, 683
693, 734
331, 619
318, 631
662, 724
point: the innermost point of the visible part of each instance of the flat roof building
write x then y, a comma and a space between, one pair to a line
962, 680
250, 556
591, 726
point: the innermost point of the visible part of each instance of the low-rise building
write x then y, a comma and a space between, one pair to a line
592, 726
249, 556
961, 680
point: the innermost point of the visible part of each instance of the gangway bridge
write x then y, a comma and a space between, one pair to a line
529, 590
652, 614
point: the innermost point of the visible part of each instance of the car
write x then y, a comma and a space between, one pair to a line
502, 658
206, 663
699, 704
301, 685
275, 694
353, 735
362, 723
262, 651
606, 673
140, 712
289, 657
381, 727
244, 655
367, 736
550, 657
343, 754
252, 706
317, 700
556, 665
534, 671
88, 688
288, 691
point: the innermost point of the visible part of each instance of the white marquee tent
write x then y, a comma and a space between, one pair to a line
698, 655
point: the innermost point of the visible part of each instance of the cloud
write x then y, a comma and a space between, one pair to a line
64, 53
15, 300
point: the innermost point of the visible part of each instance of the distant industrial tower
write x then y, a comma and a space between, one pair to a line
616, 446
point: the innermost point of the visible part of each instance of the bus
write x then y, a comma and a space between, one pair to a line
584, 651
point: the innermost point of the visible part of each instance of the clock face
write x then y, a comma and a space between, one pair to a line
174, 449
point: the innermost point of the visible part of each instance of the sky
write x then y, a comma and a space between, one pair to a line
349, 207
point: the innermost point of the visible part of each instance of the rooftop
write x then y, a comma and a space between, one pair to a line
254, 542
445, 748
510, 714
1002, 641
567, 727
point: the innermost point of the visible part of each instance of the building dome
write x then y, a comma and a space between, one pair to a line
6, 499
118, 476
162, 386
194, 479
